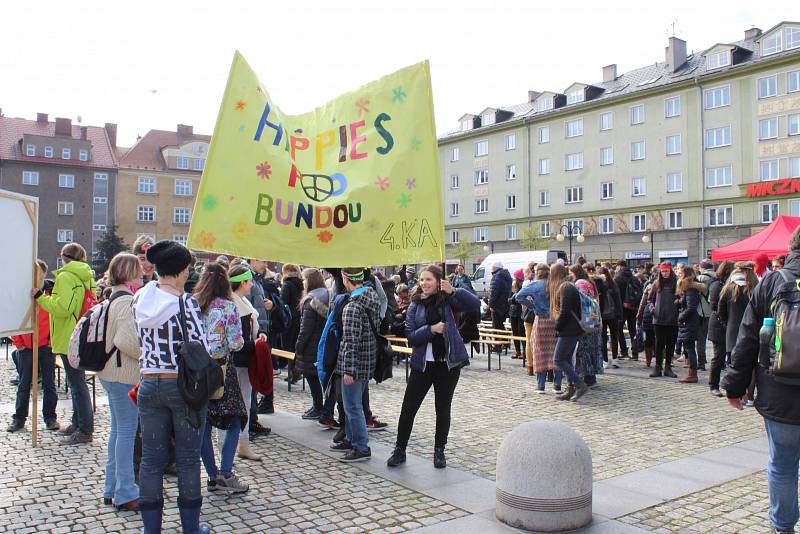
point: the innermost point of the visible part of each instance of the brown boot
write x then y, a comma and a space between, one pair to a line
690, 378
530, 371
648, 356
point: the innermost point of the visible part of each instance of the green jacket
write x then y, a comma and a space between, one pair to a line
65, 302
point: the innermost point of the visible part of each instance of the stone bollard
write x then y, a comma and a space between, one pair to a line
544, 478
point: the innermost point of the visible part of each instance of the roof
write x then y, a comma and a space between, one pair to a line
771, 240
146, 153
13, 129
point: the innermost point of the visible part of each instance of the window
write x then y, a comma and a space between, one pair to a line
181, 215
487, 119
674, 219
544, 229
466, 125
637, 150
772, 44
673, 144
30, 150
481, 205
66, 153
545, 104
145, 214
573, 97
454, 209
573, 128
199, 164
793, 81
573, 161
768, 128
66, 208
66, 180
147, 184
638, 222
720, 216
674, 182
637, 114
606, 190
794, 125
718, 97
606, 121
575, 226
64, 236
179, 238
544, 199
183, 163
100, 176
769, 212
768, 86
792, 37
511, 141
717, 137
101, 200
481, 148
718, 60
574, 194
99, 227
30, 178
768, 170
511, 172
454, 153
607, 225
481, 234
672, 107
544, 135
83, 155
719, 177
482, 177
638, 187
511, 202
48, 152
511, 232
183, 188
794, 208
455, 181
454, 237
544, 166
607, 156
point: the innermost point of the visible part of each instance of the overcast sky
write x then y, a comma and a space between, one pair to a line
150, 64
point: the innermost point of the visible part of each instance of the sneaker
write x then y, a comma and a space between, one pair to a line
77, 438
328, 422
374, 424
311, 415
204, 528
540, 391
339, 436
231, 484
614, 364
15, 426
211, 484
71, 429
342, 446
556, 389
398, 457
749, 403
265, 407
52, 424
580, 391
259, 429
716, 392
356, 456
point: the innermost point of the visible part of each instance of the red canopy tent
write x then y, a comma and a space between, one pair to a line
772, 241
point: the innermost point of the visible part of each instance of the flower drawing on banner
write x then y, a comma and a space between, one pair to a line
399, 94
411, 183
264, 170
373, 225
363, 106
240, 230
382, 182
209, 202
240, 105
415, 143
205, 240
403, 200
324, 236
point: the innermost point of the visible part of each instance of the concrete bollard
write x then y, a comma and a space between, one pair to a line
544, 478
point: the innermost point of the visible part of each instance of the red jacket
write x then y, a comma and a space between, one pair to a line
25, 341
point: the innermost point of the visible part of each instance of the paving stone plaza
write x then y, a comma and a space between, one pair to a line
667, 458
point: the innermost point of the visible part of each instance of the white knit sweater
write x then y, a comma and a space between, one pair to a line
122, 335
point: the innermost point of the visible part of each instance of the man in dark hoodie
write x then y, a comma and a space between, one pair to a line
777, 402
630, 292
499, 293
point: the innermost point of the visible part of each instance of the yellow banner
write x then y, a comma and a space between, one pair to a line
352, 183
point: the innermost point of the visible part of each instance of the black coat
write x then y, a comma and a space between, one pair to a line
665, 311
775, 401
716, 330
500, 290
567, 323
312, 322
291, 292
241, 358
688, 315
730, 314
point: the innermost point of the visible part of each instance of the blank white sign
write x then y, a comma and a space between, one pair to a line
18, 240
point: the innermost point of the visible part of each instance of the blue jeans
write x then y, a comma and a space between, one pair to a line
355, 420
784, 457
564, 353
82, 412
227, 454
541, 378
47, 370
163, 413
120, 481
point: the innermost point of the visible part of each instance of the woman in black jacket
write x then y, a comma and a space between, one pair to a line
291, 292
665, 319
716, 330
689, 292
314, 313
515, 315
611, 313
565, 309
733, 301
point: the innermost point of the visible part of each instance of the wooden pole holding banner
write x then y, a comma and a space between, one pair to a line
37, 282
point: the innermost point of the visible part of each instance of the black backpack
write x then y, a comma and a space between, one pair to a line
784, 347
633, 293
87, 344
384, 357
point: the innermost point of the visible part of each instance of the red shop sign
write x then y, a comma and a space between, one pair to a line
774, 187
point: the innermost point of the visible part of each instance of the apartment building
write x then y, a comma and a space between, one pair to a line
694, 152
71, 169
158, 180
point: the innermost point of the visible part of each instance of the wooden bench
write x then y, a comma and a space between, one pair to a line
489, 344
286, 355
90, 379
405, 352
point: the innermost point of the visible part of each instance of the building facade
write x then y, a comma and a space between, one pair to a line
158, 180
695, 152
71, 169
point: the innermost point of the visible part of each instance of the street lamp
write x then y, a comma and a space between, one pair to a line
649, 238
571, 233
488, 248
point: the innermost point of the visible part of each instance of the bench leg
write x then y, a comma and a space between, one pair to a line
499, 361
304, 383
406, 369
94, 395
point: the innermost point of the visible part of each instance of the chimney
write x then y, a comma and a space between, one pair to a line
610, 72
83, 132
675, 53
111, 132
752, 33
185, 130
63, 126
41, 118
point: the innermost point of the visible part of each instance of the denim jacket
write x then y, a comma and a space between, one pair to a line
535, 296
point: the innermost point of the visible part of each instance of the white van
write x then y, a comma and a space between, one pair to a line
482, 278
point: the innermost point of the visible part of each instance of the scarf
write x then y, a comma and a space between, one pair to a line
244, 308
433, 315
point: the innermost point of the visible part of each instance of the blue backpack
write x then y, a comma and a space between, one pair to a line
328, 348
590, 314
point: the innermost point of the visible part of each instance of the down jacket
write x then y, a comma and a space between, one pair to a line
312, 322
688, 312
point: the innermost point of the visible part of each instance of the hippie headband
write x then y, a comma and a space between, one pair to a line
245, 276
354, 277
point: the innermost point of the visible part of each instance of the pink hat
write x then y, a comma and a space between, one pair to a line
519, 275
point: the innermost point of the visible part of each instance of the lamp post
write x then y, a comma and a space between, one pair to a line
572, 233
489, 248
649, 238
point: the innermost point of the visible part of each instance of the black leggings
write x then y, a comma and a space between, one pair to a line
611, 325
444, 383
717, 364
666, 336
518, 330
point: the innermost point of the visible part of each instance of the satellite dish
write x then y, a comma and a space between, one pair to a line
80, 119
